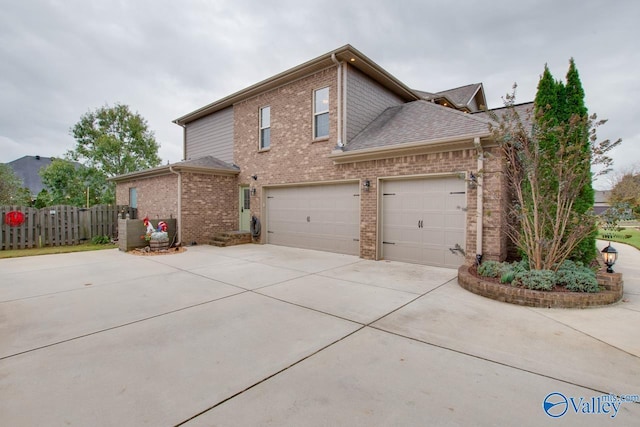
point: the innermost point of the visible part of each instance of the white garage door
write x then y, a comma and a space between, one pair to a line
424, 221
322, 217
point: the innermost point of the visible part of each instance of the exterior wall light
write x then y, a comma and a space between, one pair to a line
610, 256
254, 177
253, 191
473, 180
366, 185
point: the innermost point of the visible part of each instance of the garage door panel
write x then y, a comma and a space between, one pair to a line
407, 253
439, 204
325, 217
456, 220
453, 237
434, 236
434, 219
433, 256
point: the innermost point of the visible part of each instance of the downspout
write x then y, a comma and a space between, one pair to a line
179, 218
479, 200
345, 93
339, 145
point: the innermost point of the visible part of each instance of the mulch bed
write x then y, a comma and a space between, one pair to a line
146, 251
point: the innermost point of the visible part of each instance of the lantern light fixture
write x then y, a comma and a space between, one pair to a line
610, 256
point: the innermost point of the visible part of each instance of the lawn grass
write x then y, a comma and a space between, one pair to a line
620, 236
47, 250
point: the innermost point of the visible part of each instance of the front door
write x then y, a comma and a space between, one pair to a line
245, 211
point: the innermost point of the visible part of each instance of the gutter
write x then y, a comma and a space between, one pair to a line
163, 170
339, 145
416, 147
179, 218
479, 200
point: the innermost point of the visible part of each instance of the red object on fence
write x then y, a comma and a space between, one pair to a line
14, 218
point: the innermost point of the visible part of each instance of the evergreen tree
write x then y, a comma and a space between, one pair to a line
575, 106
558, 105
546, 105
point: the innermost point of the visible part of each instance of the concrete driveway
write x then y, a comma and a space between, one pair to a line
265, 335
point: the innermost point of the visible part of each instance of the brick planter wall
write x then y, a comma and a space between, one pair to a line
612, 283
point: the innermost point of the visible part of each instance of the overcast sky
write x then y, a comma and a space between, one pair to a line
60, 59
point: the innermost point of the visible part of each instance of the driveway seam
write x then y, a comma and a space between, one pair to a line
488, 360
122, 325
89, 286
270, 376
584, 333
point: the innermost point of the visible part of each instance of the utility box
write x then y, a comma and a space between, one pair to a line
131, 232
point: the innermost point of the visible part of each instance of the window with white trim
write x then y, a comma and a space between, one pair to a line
265, 128
321, 113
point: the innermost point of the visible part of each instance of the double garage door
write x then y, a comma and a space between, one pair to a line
423, 220
322, 217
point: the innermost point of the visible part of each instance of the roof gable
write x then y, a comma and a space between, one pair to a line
459, 98
346, 53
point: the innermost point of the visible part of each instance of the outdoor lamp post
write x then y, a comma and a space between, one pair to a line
610, 256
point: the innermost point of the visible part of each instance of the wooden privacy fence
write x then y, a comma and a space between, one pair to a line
58, 225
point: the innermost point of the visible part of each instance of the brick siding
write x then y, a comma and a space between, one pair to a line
157, 196
209, 202
295, 158
209, 206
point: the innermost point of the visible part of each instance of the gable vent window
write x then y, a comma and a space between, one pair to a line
321, 113
265, 128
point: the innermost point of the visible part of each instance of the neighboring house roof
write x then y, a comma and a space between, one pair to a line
346, 53
27, 168
206, 164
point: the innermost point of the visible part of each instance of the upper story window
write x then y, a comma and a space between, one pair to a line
321, 113
265, 127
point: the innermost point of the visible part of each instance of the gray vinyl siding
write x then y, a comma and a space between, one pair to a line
366, 99
211, 135
473, 105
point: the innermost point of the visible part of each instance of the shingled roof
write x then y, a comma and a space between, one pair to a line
459, 98
28, 168
417, 121
524, 110
206, 164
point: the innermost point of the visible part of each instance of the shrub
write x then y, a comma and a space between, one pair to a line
541, 280
509, 271
100, 240
508, 276
490, 269
576, 277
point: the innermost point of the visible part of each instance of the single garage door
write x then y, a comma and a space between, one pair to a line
424, 221
322, 217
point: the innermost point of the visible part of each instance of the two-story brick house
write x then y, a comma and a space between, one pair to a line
336, 154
